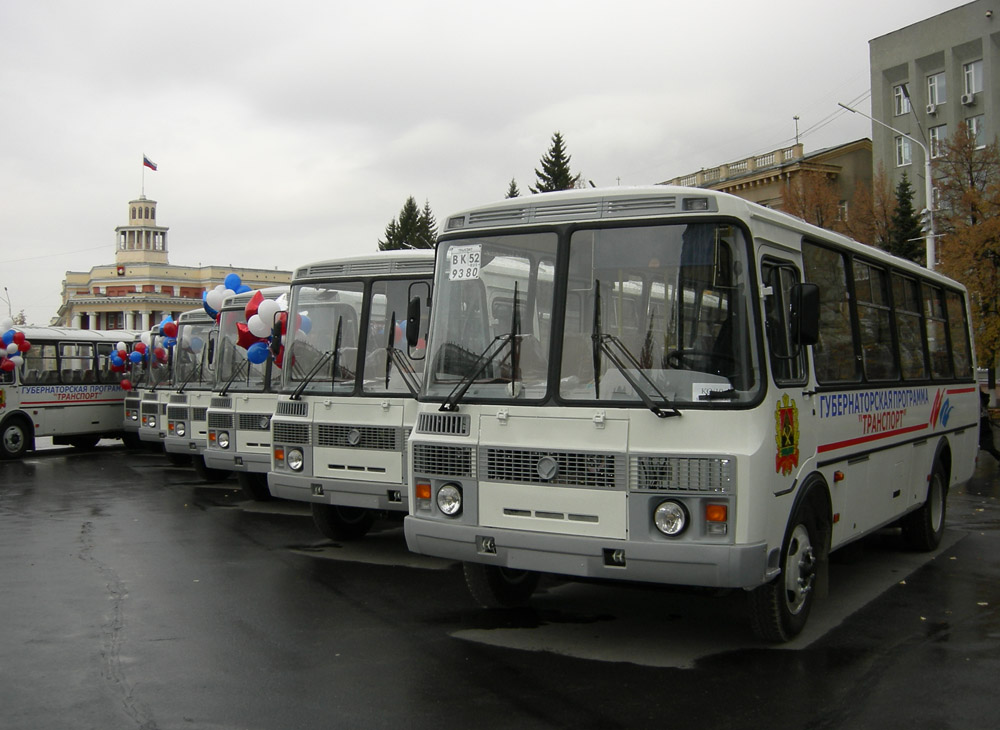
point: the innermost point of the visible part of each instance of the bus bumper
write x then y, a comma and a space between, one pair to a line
253, 463
366, 495
716, 566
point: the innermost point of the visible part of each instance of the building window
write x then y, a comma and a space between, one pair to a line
975, 125
901, 101
903, 156
937, 135
936, 89
973, 74
842, 211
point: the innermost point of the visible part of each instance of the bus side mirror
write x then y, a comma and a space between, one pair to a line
804, 314
413, 322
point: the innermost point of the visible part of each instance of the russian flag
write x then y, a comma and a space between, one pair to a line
147, 163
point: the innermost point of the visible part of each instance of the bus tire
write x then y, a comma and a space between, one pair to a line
254, 486
132, 441
494, 587
83, 442
342, 523
15, 438
924, 527
177, 459
780, 608
207, 473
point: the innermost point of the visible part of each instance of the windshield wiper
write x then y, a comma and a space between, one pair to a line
236, 372
297, 393
394, 356
194, 371
623, 360
488, 356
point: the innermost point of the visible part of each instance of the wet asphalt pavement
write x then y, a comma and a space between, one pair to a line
134, 596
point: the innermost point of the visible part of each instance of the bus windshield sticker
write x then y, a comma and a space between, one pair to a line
464, 261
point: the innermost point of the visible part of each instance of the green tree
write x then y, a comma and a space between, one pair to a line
414, 228
512, 190
555, 173
967, 177
905, 237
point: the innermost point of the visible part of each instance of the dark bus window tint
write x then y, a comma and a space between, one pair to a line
958, 327
937, 332
874, 318
787, 358
835, 355
906, 300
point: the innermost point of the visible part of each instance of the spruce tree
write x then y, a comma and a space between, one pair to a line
555, 173
512, 190
414, 228
905, 236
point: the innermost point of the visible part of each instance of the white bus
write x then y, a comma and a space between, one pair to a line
683, 388
245, 393
351, 368
186, 399
64, 388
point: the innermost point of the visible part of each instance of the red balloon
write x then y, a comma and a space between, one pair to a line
245, 338
7, 365
283, 318
126, 384
160, 353
251, 307
140, 347
24, 346
170, 329
19, 337
123, 354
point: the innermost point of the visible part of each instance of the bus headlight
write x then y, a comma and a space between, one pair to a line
133, 415
180, 429
670, 518
151, 421
222, 439
449, 499
293, 457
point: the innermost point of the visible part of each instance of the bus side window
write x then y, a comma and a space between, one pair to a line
835, 357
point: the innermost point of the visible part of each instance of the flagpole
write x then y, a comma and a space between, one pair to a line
142, 187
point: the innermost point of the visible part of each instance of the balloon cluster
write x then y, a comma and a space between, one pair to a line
14, 346
257, 335
152, 348
212, 300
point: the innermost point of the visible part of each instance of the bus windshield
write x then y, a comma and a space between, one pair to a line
232, 366
655, 316
191, 365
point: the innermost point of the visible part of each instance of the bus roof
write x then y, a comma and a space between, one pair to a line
40, 334
654, 201
413, 262
194, 316
240, 301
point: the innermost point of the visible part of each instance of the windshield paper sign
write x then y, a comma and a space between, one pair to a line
464, 261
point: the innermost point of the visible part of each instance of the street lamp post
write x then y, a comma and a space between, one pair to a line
929, 238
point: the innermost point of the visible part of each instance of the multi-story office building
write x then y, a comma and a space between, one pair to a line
927, 79
141, 287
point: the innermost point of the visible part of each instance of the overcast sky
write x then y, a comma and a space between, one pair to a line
294, 131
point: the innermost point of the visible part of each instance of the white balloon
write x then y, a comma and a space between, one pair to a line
267, 309
146, 338
16, 359
120, 346
12, 348
6, 324
214, 299
258, 327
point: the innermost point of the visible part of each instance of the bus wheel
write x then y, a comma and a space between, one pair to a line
207, 473
495, 587
342, 523
83, 442
780, 608
14, 439
922, 529
254, 486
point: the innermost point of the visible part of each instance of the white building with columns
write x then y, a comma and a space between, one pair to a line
141, 287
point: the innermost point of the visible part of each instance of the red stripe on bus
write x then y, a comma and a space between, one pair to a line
957, 391
867, 439
25, 404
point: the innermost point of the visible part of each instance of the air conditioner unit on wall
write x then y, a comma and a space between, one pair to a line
932, 108
968, 99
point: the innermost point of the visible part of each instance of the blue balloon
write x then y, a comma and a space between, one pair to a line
135, 357
117, 361
305, 324
232, 282
8, 337
171, 341
243, 289
257, 353
196, 343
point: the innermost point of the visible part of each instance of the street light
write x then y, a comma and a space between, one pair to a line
929, 237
